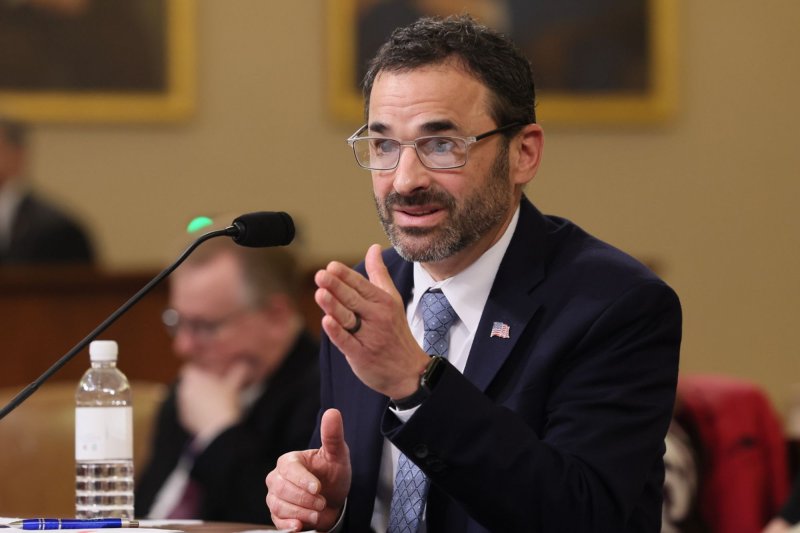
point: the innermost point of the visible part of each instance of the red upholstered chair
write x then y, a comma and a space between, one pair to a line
744, 477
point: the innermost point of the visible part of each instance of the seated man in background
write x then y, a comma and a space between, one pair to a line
32, 230
248, 391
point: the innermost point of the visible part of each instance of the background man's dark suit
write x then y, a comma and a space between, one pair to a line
558, 428
41, 233
231, 470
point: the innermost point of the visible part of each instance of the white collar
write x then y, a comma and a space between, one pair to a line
468, 290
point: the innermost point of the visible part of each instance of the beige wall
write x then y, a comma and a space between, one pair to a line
712, 195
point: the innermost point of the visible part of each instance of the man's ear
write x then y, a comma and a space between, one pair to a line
526, 154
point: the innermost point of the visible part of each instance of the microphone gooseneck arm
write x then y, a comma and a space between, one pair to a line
230, 231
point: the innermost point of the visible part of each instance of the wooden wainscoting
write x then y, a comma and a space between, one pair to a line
45, 311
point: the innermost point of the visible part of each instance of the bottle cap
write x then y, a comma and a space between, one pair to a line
103, 351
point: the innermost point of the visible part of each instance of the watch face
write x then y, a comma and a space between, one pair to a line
432, 373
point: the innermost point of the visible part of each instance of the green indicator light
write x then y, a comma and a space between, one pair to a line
198, 223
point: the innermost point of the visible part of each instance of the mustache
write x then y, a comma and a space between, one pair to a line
429, 196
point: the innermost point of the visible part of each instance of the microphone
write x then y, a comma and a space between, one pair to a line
256, 230
263, 228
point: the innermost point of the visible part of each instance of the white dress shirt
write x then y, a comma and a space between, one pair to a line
467, 293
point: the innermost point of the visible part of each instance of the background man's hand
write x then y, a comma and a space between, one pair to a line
208, 403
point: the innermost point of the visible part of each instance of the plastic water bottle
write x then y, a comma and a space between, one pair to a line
103, 438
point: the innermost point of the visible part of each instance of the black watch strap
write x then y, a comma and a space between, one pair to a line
428, 379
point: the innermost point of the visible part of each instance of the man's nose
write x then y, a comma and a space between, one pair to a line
184, 344
410, 174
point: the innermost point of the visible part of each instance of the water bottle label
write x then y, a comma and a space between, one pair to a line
103, 433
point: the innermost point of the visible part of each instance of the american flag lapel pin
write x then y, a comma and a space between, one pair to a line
500, 329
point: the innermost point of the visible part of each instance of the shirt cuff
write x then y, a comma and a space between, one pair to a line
403, 415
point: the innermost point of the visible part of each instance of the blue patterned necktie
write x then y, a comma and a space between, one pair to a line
411, 484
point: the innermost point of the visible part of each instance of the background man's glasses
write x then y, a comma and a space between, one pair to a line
201, 329
437, 152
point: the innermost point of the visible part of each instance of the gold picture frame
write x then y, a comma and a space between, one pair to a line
171, 100
655, 102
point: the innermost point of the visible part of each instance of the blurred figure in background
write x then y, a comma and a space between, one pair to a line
32, 230
248, 390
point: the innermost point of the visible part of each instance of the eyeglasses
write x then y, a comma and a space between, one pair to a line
201, 329
436, 152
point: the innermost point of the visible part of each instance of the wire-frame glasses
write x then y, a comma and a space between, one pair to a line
437, 152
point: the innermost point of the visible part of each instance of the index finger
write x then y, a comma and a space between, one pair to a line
285, 513
238, 374
292, 468
341, 278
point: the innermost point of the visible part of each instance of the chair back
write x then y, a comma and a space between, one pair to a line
744, 477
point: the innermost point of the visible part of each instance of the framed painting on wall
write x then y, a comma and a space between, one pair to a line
599, 62
97, 60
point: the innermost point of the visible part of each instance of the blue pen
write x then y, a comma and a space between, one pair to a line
72, 523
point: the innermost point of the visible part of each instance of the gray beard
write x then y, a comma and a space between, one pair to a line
466, 224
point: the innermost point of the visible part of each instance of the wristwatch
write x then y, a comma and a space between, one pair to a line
427, 381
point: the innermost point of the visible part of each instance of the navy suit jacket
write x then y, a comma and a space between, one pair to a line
558, 428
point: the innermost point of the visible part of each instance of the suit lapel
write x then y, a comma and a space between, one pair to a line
510, 301
402, 273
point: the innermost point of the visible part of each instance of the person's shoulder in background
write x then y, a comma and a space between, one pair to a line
43, 232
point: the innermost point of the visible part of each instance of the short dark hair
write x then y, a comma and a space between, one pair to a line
485, 53
13, 131
265, 271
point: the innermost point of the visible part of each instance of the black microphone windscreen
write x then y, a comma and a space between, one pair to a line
264, 228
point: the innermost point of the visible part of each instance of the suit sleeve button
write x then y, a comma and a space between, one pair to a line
435, 464
421, 451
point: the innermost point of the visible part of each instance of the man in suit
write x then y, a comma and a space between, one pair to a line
32, 230
248, 390
550, 391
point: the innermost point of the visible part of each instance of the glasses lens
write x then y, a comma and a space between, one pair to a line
171, 320
200, 329
376, 153
442, 152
